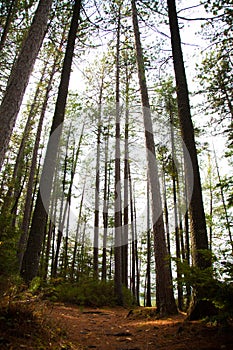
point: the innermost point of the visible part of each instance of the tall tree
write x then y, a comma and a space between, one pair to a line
106, 201
20, 74
117, 203
165, 297
196, 208
97, 181
32, 255
148, 240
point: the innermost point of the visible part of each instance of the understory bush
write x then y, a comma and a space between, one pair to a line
88, 292
216, 284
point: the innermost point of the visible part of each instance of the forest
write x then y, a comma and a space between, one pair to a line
116, 170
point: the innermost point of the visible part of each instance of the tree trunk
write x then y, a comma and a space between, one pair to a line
164, 291
126, 184
32, 254
15, 184
133, 253
8, 23
20, 75
106, 205
136, 255
228, 223
197, 215
97, 185
196, 209
148, 263
117, 198
77, 234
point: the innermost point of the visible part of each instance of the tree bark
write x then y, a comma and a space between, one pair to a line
20, 75
117, 198
106, 204
198, 229
126, 184
164, 291
197, 215
148, 263
97, 184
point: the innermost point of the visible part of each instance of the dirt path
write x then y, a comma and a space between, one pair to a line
111, 329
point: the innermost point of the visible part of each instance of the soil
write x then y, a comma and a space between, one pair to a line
62, 326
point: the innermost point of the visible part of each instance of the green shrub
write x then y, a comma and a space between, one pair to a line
88, 292
219, 292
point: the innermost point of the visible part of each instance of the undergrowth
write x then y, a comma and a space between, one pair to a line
23, 326
89, 292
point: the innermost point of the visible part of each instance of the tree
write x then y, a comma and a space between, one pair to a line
196, 209
148, 240
20, 75
7, 23
97, 181
164, 292
117, 197
32, 255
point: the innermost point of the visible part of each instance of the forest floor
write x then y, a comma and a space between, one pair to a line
63, 326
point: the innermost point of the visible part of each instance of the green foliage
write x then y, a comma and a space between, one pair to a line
8, 247
35, 284
10, 286
89, 292
210, 288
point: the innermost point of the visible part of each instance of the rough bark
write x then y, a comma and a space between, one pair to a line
164, 291
197, 215
196, 209
20, 75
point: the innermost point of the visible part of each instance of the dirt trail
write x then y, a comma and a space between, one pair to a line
111, 329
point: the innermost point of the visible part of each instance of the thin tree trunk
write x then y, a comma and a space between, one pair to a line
8, 23
62, 215
228, 224
105, 206
175, 201
66, 241
166, 216
126, 186
211, 203
97, 185
136, 255
148, 262
54, 217
77, 234
133, 254
187, 245
117, 203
